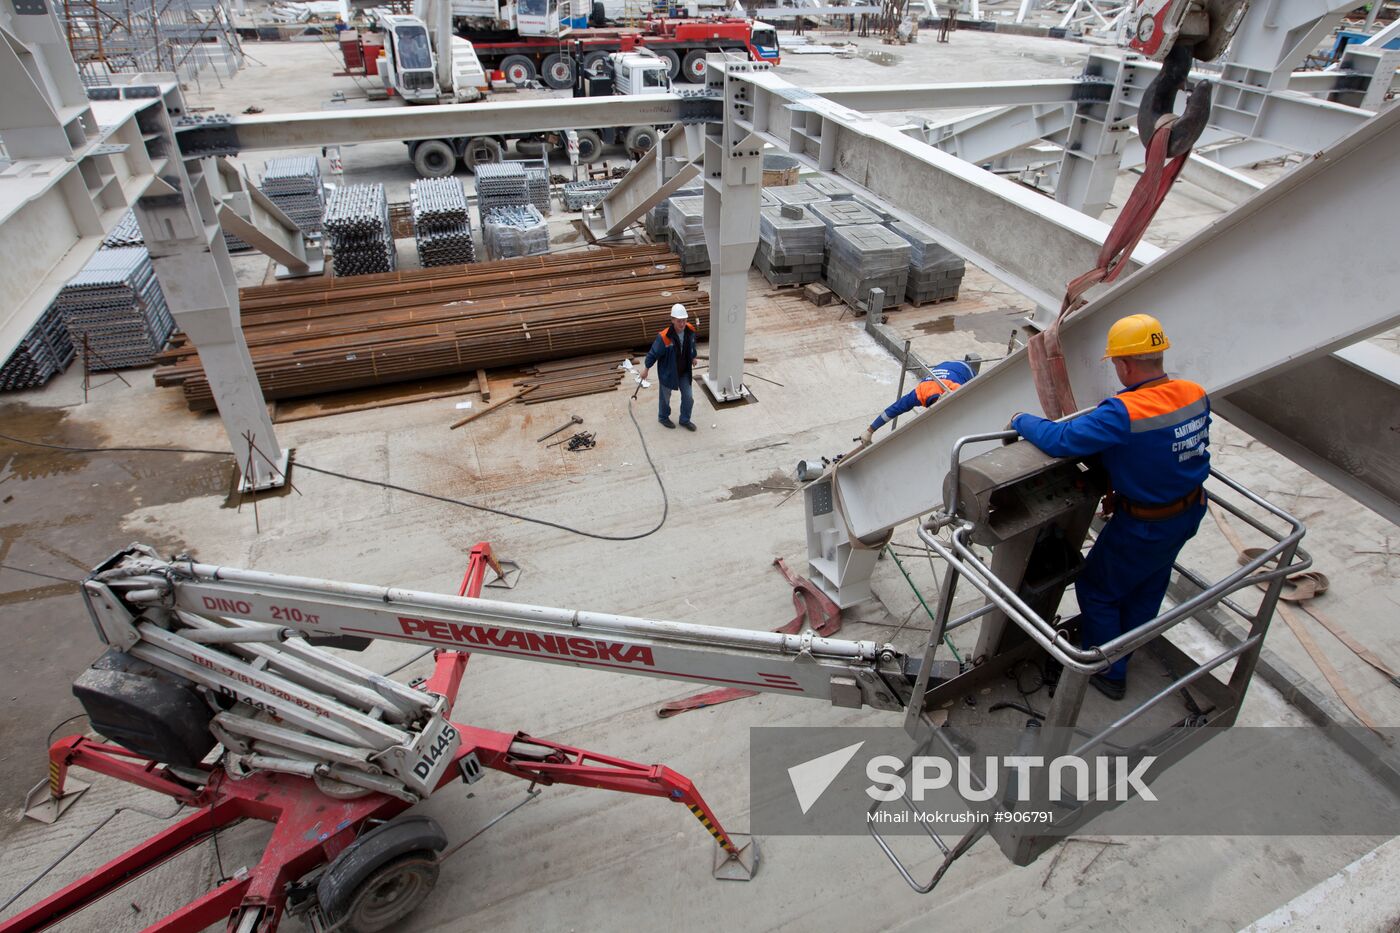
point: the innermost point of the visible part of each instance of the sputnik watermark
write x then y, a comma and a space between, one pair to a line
1117, 779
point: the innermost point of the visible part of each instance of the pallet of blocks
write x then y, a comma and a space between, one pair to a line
687, 220
658, 220
866, 257
791, 243
935, 272
314, 336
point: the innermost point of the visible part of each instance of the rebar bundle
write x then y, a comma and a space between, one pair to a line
508, 232
501, 184
294, 185
45, 352
442, 223
581, 194
357, 225
114, 308
316, 335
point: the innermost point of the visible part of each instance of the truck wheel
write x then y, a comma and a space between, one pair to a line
590, 146
559, 71
597, 64
482, 151
433, 158
519, 70
640, 138
672, 60
380, 878
694, 68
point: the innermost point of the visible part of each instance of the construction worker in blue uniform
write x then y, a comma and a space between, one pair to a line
1153, 439
949, 375
673, 353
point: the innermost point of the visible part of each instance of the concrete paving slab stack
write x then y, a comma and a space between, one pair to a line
357, 226
45, 351
791, 243
829, 188
687, 220
866, 256
935, 272
874, 208
658, 222
508, 232
442, 222
293, 183
116, 303
801, 194
581, 194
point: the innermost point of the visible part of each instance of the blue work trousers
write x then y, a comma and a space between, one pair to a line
663, 401
1126, 574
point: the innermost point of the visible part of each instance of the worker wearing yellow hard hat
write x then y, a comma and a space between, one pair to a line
1152, 438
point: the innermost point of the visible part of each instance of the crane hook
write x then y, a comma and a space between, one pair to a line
1160, 97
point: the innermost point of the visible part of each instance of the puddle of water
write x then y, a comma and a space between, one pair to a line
886, 59
943, 325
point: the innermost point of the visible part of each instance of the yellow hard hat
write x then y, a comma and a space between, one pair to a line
1136, 335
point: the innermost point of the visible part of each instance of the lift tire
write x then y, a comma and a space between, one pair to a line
590, 146
673, 61
597, 64
433, 158
383, 876
519, 70
482, 151
640, 138
559, 71
694, 68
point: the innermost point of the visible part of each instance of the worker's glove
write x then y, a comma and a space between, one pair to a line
867, 437
642, 381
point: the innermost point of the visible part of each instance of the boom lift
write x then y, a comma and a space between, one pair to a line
200, 654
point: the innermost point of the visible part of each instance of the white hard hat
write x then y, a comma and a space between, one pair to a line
678, 310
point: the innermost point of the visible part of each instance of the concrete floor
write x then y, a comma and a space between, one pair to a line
583, 859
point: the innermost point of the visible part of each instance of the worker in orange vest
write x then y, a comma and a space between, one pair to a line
1153, 439
947, 376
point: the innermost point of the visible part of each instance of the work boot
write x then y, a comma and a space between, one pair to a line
1113, 689
666, 422
688, 425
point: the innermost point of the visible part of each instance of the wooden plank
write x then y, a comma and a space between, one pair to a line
323, 406
484, 384
502, 403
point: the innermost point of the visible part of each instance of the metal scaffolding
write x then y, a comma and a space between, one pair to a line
186, 37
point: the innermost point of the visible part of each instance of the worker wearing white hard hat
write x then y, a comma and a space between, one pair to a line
673, 353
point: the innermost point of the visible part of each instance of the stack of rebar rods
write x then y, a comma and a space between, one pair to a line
313, 336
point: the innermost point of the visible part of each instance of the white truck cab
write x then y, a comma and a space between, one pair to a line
640, 73
408, 68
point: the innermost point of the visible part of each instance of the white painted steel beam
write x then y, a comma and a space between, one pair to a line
342, 127
949, 96
1244, 300
665, 168
1017, 235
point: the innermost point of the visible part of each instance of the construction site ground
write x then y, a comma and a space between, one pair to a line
582, 859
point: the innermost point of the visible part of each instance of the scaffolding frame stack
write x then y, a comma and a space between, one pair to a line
114, 310
192, 38
442, 222
357, 226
